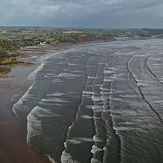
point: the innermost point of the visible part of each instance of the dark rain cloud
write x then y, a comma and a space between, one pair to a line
85, 13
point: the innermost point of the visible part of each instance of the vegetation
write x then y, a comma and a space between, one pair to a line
11, 38
29, 36
6, 47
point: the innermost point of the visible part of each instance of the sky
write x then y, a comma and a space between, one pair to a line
82, 13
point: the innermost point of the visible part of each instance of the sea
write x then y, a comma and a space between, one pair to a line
98, 103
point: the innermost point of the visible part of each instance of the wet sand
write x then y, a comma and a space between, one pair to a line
13, 146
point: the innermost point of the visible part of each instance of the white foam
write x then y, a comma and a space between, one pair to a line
126, 128
69, 127
95, 149
101, 63
126, 123
89, 106
95, 161
77, 71
55, 100
141, 55
105, 93
57, 81
83, 55
65, 144
158, 101
97, 107
86, 117
108, 79
97, 98
79, 140
110, 92
108, 72
142, 84
17, 105
85, 139
53, 104
87, 96
72, 64
129, 96
117, 99
34, 127
104, 148
99, 110
42, 112
56, 94
97, 85
120, 75
96, 139
104, 89
50, 75
32, 75
68, 75
88, 92
67, 158
155, 59
74, 141
156, 64
50, 158
15, 97
91, 77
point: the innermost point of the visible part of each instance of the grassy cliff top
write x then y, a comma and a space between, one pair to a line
6, 47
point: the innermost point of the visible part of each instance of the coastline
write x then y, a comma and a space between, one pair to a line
13, 145
13, 84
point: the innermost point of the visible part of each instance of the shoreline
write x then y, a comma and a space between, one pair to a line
13, 145
13, 84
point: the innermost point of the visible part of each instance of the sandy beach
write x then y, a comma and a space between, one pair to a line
13, 146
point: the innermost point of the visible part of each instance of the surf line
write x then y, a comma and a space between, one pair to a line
141, 92
78, 113
111, 133
146, 64
99, 140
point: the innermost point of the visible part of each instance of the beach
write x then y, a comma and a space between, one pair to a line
13, 145
13, 84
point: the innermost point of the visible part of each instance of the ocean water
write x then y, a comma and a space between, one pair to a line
97, 103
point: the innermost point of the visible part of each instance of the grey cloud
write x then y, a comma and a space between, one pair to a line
85, 13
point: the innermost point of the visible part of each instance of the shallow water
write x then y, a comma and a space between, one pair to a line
98, 103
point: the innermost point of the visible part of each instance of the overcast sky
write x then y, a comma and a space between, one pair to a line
82, 13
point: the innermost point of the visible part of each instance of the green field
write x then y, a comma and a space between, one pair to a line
28, 36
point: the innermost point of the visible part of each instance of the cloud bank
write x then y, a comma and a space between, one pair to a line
85, 13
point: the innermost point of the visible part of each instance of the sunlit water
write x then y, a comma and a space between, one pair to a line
98, 103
